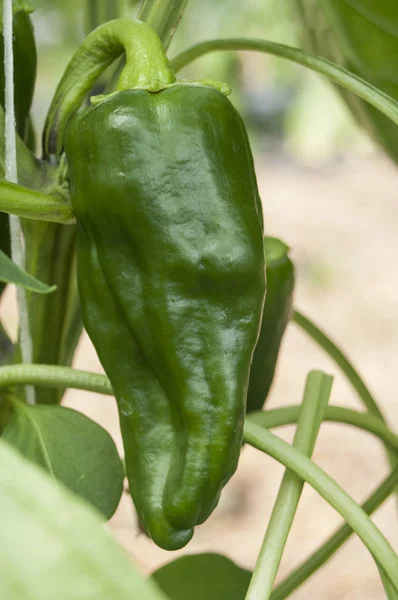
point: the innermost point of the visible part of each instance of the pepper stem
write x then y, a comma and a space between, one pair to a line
146, 67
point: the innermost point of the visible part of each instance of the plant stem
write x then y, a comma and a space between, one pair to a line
347, 368
11, 175
163, 16
341, 360
289, 415
146, 67
332, 544
56, 377
304, 468
333, 72
63, 377
315, 400
365, 421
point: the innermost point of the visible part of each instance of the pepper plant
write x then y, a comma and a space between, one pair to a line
140, 219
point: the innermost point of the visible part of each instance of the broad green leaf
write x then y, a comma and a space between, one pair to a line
362, 36
11, 273
203, 577
73, 449
53, 546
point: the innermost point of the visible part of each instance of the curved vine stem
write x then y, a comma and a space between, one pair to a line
66, 377
288, 415
379, 547
347, 368
312, 409
318, 558
333, 72
146, 67
56, 377
318, 336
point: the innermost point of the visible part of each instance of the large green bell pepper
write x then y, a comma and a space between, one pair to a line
172, 283
170, 266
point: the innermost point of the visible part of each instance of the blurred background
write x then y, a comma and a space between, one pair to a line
331, 195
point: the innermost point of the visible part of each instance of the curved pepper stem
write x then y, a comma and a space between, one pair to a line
146, 67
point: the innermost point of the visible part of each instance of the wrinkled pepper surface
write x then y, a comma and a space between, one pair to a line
172, 282
277, 313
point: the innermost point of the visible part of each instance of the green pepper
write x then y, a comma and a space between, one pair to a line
171, 281
25, 62
170, 266
363, 38
277, 312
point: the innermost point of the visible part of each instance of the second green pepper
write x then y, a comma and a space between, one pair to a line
277, 313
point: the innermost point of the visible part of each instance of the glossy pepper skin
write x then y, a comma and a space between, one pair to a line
277, 313
172, 283
25, 62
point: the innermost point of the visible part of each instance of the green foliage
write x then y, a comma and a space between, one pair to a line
73, 449
53, 545
11, 273
203, 576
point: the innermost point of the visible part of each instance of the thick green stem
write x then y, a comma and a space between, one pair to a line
163, 17
302, 466
55, 377
146, 67
30, 204
316, 397
318, 558
333, 72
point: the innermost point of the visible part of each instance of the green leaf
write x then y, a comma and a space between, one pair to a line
73, 449
203, 576
11, 273
53, 545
